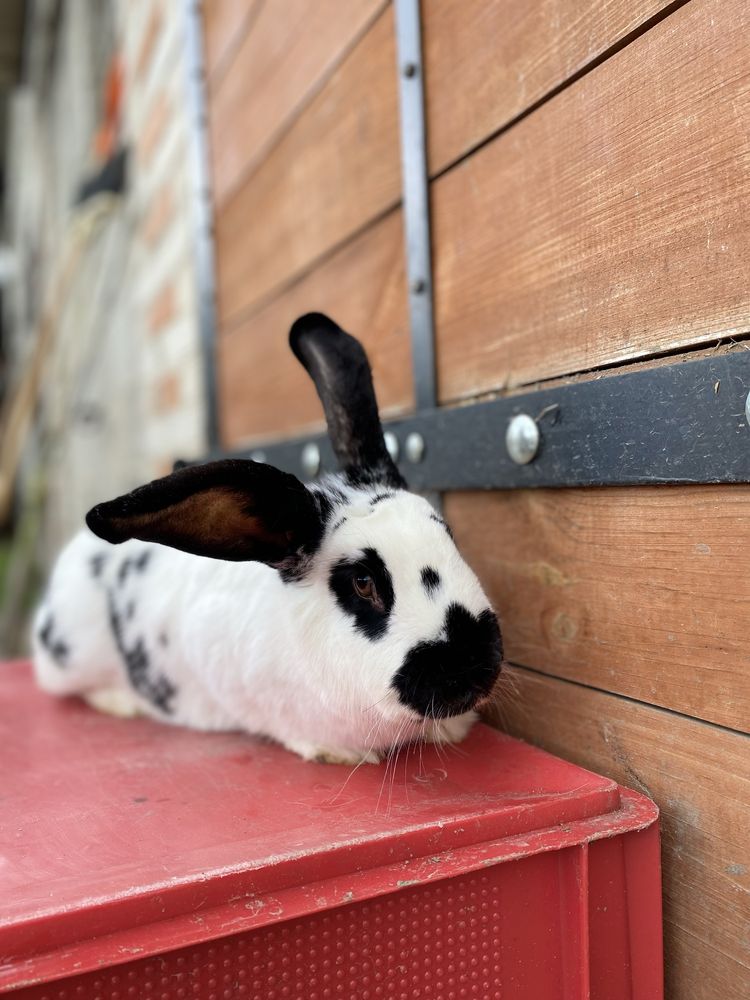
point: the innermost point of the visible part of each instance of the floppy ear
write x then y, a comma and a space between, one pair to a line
338, 366
233, 509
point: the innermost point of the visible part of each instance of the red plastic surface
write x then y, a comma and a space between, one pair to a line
142, 860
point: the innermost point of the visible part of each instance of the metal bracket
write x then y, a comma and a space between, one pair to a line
681, 423
204, 249
416, 200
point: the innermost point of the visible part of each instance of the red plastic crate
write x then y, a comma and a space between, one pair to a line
144, 861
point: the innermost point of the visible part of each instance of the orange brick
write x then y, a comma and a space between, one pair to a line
167, 393
163, 467
148, 42
155, 125
158, 216
163, 309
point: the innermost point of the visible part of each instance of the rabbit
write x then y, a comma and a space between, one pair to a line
337, 618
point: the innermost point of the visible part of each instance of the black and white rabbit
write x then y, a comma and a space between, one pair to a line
337, 618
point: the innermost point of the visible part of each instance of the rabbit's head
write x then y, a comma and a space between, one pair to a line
390, 606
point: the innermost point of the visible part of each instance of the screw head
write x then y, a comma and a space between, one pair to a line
391, 445
418, 286
410, 69
258, 456
311, 459
522, 439
414, 447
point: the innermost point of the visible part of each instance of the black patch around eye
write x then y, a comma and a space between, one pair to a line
439, 520
430, 580
369, 620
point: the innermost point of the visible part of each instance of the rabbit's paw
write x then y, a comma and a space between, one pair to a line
113, 701
450, 730
333, 755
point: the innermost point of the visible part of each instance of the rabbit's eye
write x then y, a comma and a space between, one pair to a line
364, 586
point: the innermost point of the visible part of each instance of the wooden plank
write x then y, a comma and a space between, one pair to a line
642, 591
225, 24
487, 61
612, 223
264, 392
699, 776
290, 48
336, 169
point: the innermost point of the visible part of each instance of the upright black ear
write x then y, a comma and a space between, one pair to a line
338, 366
233, 509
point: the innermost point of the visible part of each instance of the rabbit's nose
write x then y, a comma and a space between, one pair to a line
448, 676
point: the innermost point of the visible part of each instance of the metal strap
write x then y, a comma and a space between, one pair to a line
681, 423
416, 199
203, 240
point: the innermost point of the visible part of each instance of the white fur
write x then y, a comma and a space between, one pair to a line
246, 650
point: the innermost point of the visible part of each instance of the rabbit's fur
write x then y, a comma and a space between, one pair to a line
338, 618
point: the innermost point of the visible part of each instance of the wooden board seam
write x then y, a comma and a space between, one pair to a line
716, 726
278, 291
255, 163
564, 85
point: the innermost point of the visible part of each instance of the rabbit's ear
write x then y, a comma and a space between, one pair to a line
233, 509
338, 366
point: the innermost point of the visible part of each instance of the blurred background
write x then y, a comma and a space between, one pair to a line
180, 181
101, 377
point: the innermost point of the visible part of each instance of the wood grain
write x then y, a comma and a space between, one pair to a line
289, 50
263, 390
336, 169
612, 223
642, 591
225, 23
699, 776
487, 61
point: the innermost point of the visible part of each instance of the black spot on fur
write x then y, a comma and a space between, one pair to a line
379, 497
156, 688
439, 520
130, 610
448, 676
337, 525
163, 640
430, 580
122, 572
57, 649
142, 561
325, 506
378, 475
372, 621
97, 563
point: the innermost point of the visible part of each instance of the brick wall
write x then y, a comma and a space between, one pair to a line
123, 392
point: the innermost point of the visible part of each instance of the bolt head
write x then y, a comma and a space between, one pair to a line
418, 286
391, 445
522, 439
414, 447
311, 459
410, 69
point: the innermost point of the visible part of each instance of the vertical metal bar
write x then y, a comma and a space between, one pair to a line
202, 215
416, 199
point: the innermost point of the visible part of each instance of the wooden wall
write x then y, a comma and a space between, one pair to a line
590, 181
